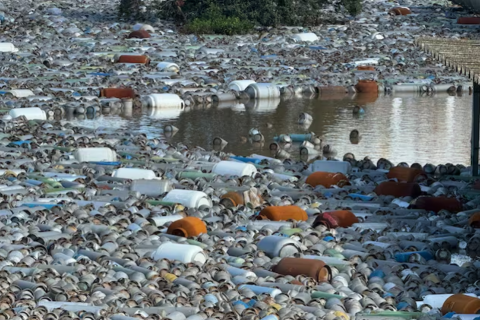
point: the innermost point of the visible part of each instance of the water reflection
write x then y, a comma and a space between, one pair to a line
164, 113
406, 127
262, 106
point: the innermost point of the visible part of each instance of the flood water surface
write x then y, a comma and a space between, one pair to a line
408, 128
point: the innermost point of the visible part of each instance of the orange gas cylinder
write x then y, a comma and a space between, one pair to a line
367, 86
461, 304
474, 220
117, 93
232, 199
398, 189
366, 68
468, 20
139, 34
282, 213
436, 204
327, 179
313, 268
403, 174
399, 11
187, 227
141, 59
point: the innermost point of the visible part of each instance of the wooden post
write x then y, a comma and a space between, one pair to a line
475, 128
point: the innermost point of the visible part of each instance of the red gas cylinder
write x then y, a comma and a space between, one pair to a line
398, 189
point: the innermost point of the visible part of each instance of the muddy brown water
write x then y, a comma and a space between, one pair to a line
408, 127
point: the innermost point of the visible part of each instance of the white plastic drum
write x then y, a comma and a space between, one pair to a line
232, 168
168, 67
33, 113
134, 174
22, 93
305, 37
164, 100
188, 198
263, 91
184, 253
95, 155
7, 47
151, 188
240, 85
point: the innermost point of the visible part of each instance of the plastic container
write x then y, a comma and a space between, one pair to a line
327, 179
399, 11
331, 166
305, 37
168, 67
33, 113
283, 213
335, 219
7, 47
164, 100
403, 174
240, 85
436, 204
460, 303
277, 246
117, 93
187, 227
95, 155
188, 198
139, 34
263, 91
398, 189
366, 86
134, 174
232, 168
141, 59
22, 93
465, 20
315, 269
184, 253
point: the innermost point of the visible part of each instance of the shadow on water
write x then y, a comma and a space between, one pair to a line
406, 127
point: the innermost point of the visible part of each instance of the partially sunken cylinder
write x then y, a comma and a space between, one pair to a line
468, 20
398, 189
403, 174
436, 204
187, 227
117, 93
283, 213
315, 269
327, 179
461, 304
140, 34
